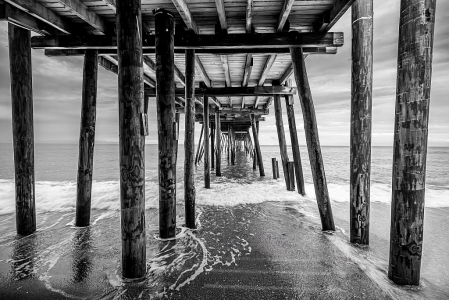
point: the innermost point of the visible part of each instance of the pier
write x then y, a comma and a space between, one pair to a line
225, 65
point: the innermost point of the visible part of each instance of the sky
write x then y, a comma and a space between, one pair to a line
57, 85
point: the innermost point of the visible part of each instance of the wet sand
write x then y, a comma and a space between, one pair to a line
260, 251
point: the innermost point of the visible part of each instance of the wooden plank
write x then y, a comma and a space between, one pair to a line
312, 139
80, 9
248, 68
266, 51
131, 139
233, 91
18, 17
165, 101
329, 18
184, 11
286, 74
283, 16
229, 41
23, 128
415, 51
361, 116
206, 124
87, 139
222, 14
105, 63
42, 13
266, 69
249, 16
189, 141
200, 68
225, 64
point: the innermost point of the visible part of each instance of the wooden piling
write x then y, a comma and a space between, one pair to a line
165, 100
189, 141
218, 133
206, 143
22, 127
197, 158
291, 174
416, 32
281, 138
212, 145
295, 145
232, 144
361, 103
273, 166
277, 169
257, 146
255, 159
87, 139
131, 138
312, 139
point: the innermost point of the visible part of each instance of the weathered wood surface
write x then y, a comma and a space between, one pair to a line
312, 139
230, 52
206, 124
273, 166
131, 141
291, 175
212, 145
197, 158
87, 139
189, 141
295, 145
22, 127
219, 135
361, 107
165, 100
416, 35
277, 169
255, 157
232, 91
257, 146
281, 138
190, 41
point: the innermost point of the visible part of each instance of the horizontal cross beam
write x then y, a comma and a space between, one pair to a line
232, 91
229, 41
265, 51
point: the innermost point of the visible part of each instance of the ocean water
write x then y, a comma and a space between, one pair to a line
239, 191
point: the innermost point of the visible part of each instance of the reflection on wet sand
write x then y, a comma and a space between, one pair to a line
81, 254
23, 256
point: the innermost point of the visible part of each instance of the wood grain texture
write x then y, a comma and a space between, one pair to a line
206, 123
22, 127
281, 139
218, 152
87, 139
312, 139
165, 99
295, 145
416, 35
189, 141
257, 146
361, 108
131, 140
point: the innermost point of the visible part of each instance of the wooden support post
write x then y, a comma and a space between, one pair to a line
291, 174
416, 34
273, 166
361, 107
189, 141
131, 138
22, 127
87, 139
277, 169
312, 139
206, 142
229, 142
295, 144
232, 145
218, 133
165, 78
281, 137
198, 150
255, 160
257, 146
212, 145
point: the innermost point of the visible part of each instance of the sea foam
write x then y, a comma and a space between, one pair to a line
60, 196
